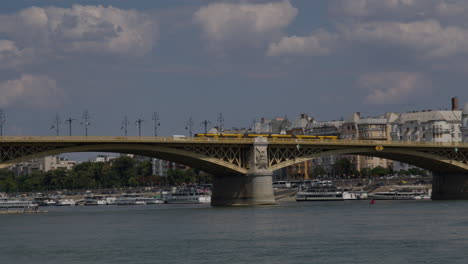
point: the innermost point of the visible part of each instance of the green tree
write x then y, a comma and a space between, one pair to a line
343, 167
379, 171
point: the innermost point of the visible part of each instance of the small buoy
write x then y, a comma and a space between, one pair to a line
372, 201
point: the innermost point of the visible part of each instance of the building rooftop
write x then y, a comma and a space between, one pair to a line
425, 116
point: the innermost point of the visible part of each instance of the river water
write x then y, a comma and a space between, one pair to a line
310, 232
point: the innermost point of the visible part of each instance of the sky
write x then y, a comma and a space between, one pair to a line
244, 59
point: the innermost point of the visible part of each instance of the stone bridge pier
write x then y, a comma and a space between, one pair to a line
450, 186
254, 188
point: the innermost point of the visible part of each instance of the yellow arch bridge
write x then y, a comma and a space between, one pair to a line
242, 167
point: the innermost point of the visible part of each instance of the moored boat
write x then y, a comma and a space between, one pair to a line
6, 203
320, 191
65, 202
45, 201
94, 200
188, 196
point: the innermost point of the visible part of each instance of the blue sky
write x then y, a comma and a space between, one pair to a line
245, 59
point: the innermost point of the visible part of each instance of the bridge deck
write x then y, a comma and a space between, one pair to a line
221, 140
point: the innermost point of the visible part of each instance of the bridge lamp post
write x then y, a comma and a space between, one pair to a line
125, 123
220, 123
69, 121
139, 122
156, 123
56, 125
205, 124
2, 121
86, 121
189, 126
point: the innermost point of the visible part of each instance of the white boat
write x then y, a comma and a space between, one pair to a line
188, 196
94, 200
65, 202
149, 200
44, 201
355, 195
400, 195
110, 200
16, 203
320, 191
130, 199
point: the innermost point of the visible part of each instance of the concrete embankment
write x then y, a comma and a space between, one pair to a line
22, 212
285, 195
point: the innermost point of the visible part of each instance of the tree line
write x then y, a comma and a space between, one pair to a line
121, 172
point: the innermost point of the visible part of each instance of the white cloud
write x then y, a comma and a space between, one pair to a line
319, 43
11, 56
427, 38
82, 29
34, 91
392, 87
227, 24
382, 9
453, 8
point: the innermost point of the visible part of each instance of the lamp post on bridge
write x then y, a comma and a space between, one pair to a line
156, 123
56, 124
138, 122
220, 123
125, 123
69, 121
189, 126
205, 124
86, 121
2, 121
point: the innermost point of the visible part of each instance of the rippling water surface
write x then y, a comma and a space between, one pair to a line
315, 232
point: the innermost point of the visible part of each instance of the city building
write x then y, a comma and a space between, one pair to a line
301, 170
278, 125
465, 123
300, 125
102, 158
428, 125
43, 164
325, 128
161, 167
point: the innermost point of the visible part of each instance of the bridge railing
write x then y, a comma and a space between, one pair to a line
174, 139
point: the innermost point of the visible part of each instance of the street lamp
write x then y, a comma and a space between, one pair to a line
205, 124
156, 123
2, 121
56, 124
139, 121
125, 123
189, 126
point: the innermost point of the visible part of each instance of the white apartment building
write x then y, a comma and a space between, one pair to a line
465, 123
433, 126
44, 164
427, 125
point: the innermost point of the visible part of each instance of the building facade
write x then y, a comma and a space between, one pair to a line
43, 164
465, 123
427, 125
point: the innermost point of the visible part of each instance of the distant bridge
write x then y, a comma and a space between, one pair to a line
242, 167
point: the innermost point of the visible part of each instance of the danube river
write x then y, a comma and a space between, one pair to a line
314, 232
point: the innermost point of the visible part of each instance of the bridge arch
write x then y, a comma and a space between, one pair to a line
194, 160
425, 160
